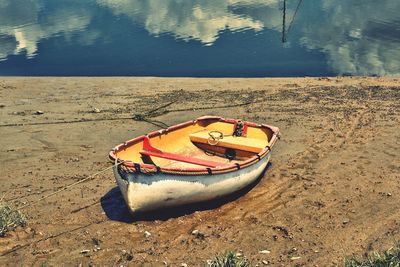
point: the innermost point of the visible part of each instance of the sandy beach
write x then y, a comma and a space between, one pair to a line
331, 191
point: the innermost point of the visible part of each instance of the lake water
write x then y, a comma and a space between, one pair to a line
214, 38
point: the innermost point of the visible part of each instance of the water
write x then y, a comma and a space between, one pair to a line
245, 38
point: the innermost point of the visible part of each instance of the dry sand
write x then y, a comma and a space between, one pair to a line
332, 189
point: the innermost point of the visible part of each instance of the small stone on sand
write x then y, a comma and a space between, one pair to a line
195, 232
147, 234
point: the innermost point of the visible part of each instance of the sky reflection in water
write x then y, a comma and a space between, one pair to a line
247, 38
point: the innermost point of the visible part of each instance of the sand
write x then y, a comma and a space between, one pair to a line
332, 189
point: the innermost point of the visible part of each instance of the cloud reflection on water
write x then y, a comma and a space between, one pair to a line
357, 38
23, 26
200, 20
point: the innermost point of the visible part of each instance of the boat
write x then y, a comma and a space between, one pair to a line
199, 160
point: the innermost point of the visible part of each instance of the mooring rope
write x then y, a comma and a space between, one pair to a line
15, 248
295, 13
70, 185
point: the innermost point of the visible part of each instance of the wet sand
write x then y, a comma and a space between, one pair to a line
332, 188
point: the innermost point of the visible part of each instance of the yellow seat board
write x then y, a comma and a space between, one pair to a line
236, 142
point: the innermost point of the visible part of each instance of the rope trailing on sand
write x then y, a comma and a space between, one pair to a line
159, 111
18, 247
154, 113
136, 117
70, 185
63, 122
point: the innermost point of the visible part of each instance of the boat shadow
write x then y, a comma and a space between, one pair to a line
116, 209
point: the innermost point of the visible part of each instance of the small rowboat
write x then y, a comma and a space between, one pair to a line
195, 161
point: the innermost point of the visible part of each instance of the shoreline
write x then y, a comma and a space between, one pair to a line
333, 184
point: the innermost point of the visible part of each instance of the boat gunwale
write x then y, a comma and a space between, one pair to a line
151, 169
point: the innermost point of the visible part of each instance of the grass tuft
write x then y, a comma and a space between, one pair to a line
10, 218
388, 258
229, 259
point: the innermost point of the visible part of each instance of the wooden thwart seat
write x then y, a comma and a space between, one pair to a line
149, 150
235, 142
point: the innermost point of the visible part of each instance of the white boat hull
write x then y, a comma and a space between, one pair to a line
144, 192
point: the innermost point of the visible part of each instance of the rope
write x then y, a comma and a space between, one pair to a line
214, 138
183, 172
154, 113
63, 122
70, 185
295, 13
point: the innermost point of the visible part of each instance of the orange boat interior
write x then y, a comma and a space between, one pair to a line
210, 143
